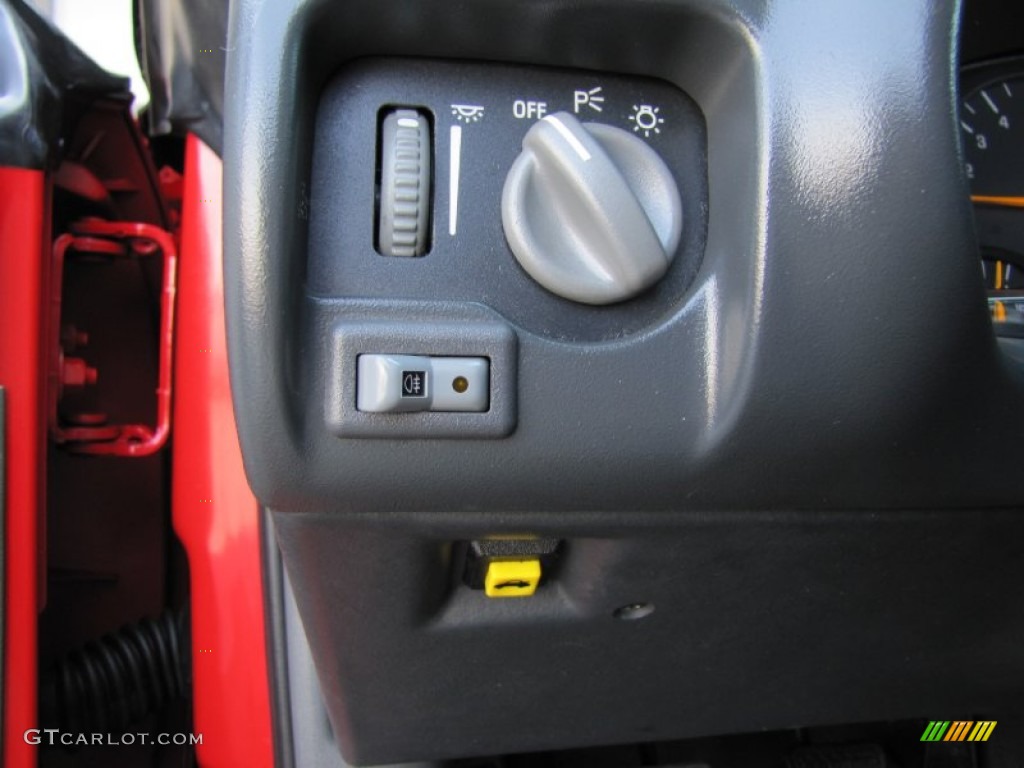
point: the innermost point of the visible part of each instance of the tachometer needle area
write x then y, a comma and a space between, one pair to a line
1005, 202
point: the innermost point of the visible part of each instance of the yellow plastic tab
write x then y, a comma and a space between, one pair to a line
512, 578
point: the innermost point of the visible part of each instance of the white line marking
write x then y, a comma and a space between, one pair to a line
966, 127
969, 108
1006, 87
408, 122
567, 135
454, 169
991, 104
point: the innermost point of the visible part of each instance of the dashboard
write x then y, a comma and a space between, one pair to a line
717, 477
637, 378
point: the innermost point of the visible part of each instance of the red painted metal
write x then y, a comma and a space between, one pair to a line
114, 238
23, 221
215, 514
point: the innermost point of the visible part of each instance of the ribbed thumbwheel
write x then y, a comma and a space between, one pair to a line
404, 208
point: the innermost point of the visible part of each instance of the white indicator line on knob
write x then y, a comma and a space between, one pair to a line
454, 169
567, 135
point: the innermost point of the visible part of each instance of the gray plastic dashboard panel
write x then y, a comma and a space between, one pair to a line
791, 463
802, 321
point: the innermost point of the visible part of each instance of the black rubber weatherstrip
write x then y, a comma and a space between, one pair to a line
277, 649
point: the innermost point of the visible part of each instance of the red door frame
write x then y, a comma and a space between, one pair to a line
23, 234
215, 514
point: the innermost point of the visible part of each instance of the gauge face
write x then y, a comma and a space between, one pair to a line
1001, 274
992, 122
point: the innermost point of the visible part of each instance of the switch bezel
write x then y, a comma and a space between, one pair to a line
468, 331
476, 263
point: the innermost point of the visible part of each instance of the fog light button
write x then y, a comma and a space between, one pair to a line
404, 383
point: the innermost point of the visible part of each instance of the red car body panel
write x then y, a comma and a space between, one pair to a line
215, 513
23, 221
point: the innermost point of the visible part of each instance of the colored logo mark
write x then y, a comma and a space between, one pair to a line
958, 730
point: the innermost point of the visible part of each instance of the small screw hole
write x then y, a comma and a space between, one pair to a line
633, 611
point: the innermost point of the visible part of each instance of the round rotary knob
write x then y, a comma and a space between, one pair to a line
590, 211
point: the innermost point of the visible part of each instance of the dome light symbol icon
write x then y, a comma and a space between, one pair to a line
467, 113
